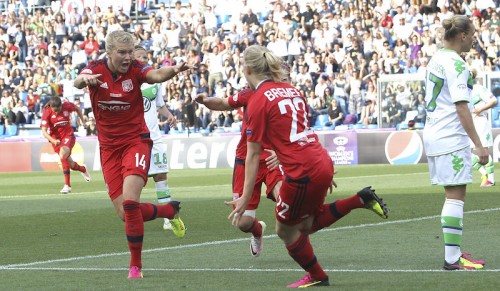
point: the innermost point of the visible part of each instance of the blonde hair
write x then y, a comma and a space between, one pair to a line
118, 36
263, 63
455, 25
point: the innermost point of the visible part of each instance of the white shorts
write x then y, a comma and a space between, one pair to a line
451, 169
483, 128
159, 162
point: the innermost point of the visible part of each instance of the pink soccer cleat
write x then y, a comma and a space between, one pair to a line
308, 281
134, 273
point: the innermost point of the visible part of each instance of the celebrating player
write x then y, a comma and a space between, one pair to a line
271, 177
124, 139
277, 113
158, 166
56, 128
449, 124
483, 100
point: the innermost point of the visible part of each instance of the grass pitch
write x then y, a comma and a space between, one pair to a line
52, 241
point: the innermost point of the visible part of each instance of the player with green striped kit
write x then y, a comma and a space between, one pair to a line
158, 169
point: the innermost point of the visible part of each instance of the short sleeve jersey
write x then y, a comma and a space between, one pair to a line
277, 112
481, 96
238, 100
151, 94
58, 124
448, 81
118, 104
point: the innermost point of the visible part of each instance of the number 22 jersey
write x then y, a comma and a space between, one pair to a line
277, 112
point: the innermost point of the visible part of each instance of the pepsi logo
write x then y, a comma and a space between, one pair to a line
340, 140
404, 148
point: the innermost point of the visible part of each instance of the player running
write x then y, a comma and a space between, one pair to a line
483, 100
158, 166
56, 128
124, 139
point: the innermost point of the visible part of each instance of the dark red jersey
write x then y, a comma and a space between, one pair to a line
118, 104
277, 112
238, 100
58, 124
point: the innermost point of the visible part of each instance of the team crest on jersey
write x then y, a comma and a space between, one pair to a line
127, 85
235, 97
147, 104
87, 71
65, 113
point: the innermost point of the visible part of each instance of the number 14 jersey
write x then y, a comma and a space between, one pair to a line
277, 112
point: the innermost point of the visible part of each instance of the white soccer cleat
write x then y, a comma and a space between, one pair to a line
86, 174
66, 189
167, 225
256, 242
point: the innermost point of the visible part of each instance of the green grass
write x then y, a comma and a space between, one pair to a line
52, 241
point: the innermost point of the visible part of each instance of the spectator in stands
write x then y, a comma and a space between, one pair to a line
91, 47
335, 115
393, 115
355, 96
123, 19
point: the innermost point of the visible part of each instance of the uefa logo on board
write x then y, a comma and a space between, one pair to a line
404, 148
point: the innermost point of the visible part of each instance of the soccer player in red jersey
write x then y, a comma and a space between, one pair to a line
56, 128
270, 176
277, 113
125, 144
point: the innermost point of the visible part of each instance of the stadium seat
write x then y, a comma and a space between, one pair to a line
2, 130
496, 123
419, 125
321, 120
494, 113
11, 130
371, 126
358, 125
402, 126
331, 127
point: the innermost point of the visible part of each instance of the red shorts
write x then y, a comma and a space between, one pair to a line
120, 162
264, 176
67, 141
301, 198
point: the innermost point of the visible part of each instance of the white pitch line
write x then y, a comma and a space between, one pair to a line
4, 267
181, 188
248, 270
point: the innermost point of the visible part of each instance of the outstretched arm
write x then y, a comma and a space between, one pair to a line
213, 103
166, 73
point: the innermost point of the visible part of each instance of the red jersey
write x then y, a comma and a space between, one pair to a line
117, 103
58, 123
278, 112
238, 100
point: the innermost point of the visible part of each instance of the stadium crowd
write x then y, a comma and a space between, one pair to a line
336, 50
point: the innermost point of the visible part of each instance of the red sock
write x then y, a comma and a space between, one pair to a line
335, 211
255, 229
345, 206
77, 167
65, 167
134, 229
151, 211
302, 252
